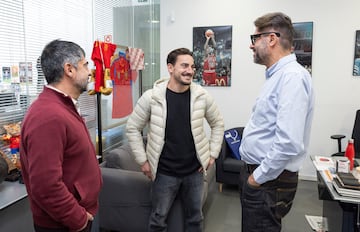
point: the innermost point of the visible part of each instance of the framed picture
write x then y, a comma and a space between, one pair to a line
15, 74
356, 69
212, 54
303, 43
6, 74
25, 72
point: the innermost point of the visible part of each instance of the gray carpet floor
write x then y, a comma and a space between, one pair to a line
222, 210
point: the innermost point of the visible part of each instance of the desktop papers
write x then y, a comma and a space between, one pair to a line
317, 223
326, 166
324, 163
345, 191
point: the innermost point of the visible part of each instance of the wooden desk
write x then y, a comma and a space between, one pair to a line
342, 212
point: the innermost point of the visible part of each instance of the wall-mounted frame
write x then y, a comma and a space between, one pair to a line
303, 43
212, 55
356, 68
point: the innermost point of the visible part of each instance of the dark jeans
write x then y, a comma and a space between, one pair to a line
42, 229
265, 206
164, 191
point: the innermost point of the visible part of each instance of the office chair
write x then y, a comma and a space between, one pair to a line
355, 136
227, 167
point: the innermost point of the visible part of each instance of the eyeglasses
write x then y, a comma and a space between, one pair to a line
254, 37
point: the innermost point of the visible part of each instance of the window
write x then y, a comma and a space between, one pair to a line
26, 26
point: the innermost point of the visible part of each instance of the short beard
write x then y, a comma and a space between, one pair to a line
179, 80
83, 90
81, 87
260, 59
186, 83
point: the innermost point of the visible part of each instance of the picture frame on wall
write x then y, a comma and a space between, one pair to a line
303, 43
6, 74
25, 72
212, 55
356, 68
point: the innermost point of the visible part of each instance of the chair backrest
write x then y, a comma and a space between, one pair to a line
225, 148
356, 134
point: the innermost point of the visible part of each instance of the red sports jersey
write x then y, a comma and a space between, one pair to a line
101, 55
122, 93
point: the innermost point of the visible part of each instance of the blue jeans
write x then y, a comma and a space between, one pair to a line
263, 207
164, 191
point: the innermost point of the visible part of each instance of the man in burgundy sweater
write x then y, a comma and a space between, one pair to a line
58, 159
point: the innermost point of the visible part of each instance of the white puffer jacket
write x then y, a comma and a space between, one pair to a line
151, 110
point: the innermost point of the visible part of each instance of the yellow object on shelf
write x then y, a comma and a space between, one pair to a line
97, 144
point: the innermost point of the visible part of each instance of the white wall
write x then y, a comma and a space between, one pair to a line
335, 23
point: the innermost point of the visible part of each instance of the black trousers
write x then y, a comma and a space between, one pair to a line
42, 229
263, 207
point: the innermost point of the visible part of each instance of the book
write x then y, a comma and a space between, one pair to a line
344, 191
348, 180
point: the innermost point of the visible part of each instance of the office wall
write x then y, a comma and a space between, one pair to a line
335, 23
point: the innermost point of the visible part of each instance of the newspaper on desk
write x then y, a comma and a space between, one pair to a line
326, 166
317, 223
323, 163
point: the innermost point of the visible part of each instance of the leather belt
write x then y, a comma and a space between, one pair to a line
251, 167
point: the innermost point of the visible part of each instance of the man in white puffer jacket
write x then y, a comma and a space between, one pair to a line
178, 152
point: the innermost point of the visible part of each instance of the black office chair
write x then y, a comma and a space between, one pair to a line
355, 136
228, 168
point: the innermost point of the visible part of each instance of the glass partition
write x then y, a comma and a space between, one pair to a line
134, 24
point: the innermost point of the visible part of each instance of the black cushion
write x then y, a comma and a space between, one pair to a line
232, 165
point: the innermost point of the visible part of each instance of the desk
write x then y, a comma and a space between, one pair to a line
15, 214
342, 212
11, 192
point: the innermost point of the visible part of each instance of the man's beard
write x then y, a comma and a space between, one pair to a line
82, 87
260, 58
261, 55
181, 81
185, 83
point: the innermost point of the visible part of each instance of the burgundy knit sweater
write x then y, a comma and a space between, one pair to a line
59, 164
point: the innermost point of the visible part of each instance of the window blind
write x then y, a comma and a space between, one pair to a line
13, 103
26, 26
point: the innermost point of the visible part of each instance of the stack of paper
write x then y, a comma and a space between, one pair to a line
324, 163
348, 180
317, 223
343, 191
